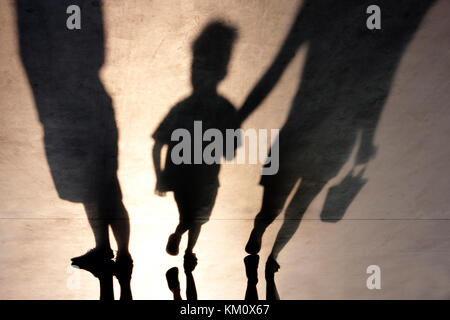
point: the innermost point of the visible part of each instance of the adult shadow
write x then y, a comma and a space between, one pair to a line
194, 131
77, 117
345, 81
251, 263
104, 272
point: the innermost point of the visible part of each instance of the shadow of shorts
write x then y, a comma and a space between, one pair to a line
195, 204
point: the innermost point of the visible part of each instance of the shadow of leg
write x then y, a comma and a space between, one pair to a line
106, 287
123, 270
173, 283
173, 243
251, 270
120, 225
103, 271
272, 204
271, 289
102, 251
191, 290
194, 232
305, 194
189, 264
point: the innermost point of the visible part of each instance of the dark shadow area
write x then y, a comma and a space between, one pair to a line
345, 82
174, 283
251, 263
104, 272
77, 116
339, 197
192, 179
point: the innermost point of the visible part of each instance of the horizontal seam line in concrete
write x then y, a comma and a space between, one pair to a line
250, 219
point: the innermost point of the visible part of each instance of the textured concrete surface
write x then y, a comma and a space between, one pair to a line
399, 221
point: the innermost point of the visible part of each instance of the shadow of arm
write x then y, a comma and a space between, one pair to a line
297, 35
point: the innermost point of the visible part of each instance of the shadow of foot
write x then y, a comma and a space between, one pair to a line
190, 262
103, 271
173, 283
272, 266
173, 244
254, 243
92, 258
251, 268
123, 269
99, 269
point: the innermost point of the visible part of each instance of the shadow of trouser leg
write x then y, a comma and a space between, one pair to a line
305, 194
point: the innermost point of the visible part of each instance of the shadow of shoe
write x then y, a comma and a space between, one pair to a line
103, 271
173, 244
190, 262
254, 243
173, 283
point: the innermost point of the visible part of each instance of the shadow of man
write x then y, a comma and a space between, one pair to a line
77, 116
192, 176
345, 81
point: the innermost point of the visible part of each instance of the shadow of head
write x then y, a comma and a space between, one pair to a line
211, 55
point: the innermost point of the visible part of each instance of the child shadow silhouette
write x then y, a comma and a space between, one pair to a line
195, 184
174, 283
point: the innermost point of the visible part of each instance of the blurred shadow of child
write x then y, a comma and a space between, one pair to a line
195, 185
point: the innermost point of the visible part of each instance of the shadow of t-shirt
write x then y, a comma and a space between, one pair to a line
214, 112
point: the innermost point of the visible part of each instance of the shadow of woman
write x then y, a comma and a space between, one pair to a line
345, 82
